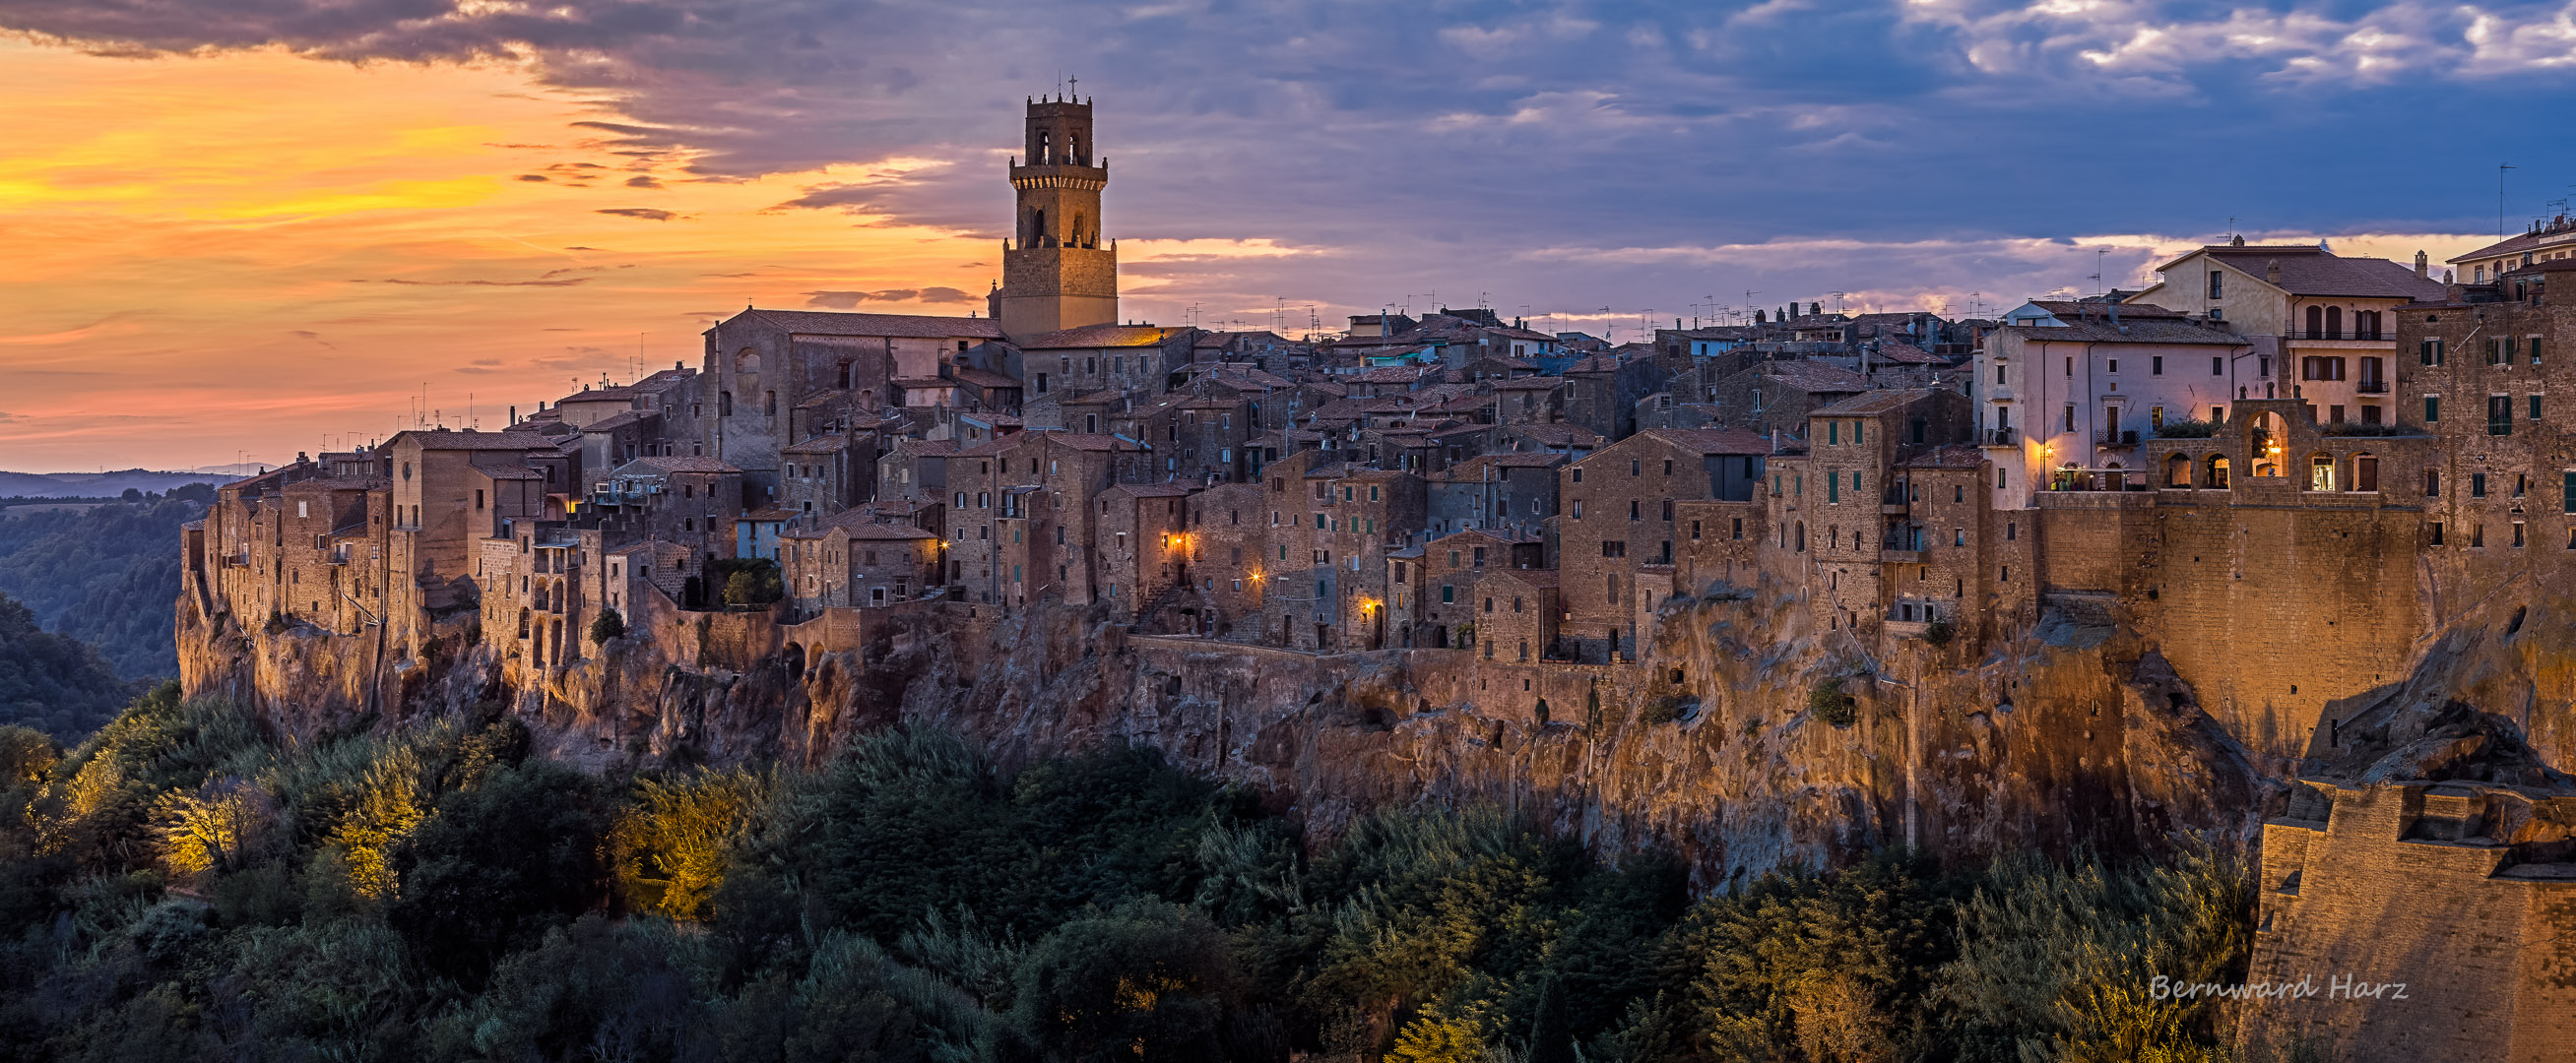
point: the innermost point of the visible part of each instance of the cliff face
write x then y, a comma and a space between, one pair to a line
1710, 746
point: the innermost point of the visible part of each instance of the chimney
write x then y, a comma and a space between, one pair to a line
2236, 241
2272, 272
2423, 266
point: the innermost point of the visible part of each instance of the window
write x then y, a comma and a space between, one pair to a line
1739, 527
2477, 485
2217, 284
1448, 594
2499, 415
1578, 509
2070, 367
1833, 432
2156, 365
2217, 365
2535, 352
1614, 548
2432, 408
1633, 510
2437, 533
2535, 407
2429, 352
1694, 531
2567, 493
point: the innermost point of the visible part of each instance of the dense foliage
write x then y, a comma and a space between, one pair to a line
53, 683
107, 575
179, 887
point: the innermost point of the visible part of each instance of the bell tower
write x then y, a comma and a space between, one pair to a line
1056, 273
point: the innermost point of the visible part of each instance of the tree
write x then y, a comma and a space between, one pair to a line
1148, 981
607, 626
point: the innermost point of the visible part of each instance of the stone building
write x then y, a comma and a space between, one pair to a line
1619, 515
1516, 613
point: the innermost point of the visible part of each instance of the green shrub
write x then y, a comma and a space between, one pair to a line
1668, 707
1828, 702
609, 625
2186, 428
1939, 633
748, 580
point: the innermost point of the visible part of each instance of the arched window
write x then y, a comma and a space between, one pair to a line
1041, 156
2177, 471
747, 361
2334, 322
1037, 229
1076, 237
2316, 323
1073, 149
2216, 479
2264, 439
2321, 472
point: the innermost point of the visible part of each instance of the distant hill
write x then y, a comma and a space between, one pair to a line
53, 683
102, 484
105, 573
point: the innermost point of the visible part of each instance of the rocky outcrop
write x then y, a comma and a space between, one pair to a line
1715, 745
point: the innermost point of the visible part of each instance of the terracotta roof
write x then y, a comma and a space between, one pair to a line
1555, 434
337, 483
1081, 440
1906, 354
879, 531
1151, 490
1875, 402
2149, 331
2313, 271
1812, 376
677, 463
2556, 234
1713, 440
613, 393
449, 439
2075, 309
773, 513
622, 420
827, 443
908, 326
985, 378
1099, 336
508, 472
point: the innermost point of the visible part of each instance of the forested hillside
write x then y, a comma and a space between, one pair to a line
53, 683
177, 888
108, 575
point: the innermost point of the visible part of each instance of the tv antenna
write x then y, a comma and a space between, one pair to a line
2500, 169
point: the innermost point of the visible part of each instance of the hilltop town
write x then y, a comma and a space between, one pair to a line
2288, 481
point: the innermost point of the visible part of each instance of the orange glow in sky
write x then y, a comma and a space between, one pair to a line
251, 252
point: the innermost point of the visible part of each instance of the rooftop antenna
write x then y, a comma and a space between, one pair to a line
2231, 226
1609, 328
2500, 169
1838, 300
2097, 268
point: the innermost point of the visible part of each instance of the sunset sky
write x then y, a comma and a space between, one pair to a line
236, 228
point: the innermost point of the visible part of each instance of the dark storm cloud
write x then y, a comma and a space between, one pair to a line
1568, 153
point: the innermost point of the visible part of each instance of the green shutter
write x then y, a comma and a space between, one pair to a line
2432, 408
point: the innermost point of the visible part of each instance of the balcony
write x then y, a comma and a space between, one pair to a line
2372, 387
1999, 437
2116, 438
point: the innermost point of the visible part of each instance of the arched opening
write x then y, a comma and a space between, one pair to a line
1073, 149
1037, 235
2334, 322
2316, 323
2177, 471
2264, 439
1077, 236
1045, 152
2216, 476
795, 661
2321, 472
746, 362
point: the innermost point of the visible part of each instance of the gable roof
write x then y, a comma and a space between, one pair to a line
906, 326
1099, 336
